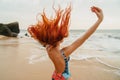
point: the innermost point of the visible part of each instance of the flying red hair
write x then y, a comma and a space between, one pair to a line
51, 31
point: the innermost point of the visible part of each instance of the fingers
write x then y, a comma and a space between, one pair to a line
98, 12
95, 9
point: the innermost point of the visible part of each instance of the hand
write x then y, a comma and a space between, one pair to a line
98, 12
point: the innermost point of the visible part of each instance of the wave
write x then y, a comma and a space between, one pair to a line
115, 37
106, 64
35, 58
97, 58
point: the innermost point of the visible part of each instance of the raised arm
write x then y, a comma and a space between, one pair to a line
69, 49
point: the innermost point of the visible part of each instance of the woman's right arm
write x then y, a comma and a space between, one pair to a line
69, 49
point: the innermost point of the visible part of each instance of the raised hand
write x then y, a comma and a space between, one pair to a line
98, 12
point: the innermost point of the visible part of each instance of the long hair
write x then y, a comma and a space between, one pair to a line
51, 31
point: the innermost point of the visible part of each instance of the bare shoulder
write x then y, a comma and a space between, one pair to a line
67, 50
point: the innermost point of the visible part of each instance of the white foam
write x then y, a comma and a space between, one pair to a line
102, 62
117, 72
35, 58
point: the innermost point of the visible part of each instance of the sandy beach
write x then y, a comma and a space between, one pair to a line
22, 59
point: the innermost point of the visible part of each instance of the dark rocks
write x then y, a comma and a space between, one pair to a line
11, 29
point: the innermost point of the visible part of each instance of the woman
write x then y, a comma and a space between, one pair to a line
51, 32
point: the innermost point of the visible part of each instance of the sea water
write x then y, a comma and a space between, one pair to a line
101, 40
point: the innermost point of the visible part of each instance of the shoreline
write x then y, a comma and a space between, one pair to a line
21, 60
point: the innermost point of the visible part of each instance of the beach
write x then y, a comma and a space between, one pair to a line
25, 59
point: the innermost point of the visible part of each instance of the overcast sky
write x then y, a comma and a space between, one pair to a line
25, 11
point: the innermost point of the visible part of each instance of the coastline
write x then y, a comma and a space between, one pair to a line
23, 59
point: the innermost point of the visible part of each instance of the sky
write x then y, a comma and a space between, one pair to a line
25, 12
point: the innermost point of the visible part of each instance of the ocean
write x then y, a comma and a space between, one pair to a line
101, 40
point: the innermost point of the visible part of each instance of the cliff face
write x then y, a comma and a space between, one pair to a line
11, 29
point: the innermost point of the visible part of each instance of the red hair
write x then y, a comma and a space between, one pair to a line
51, 31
